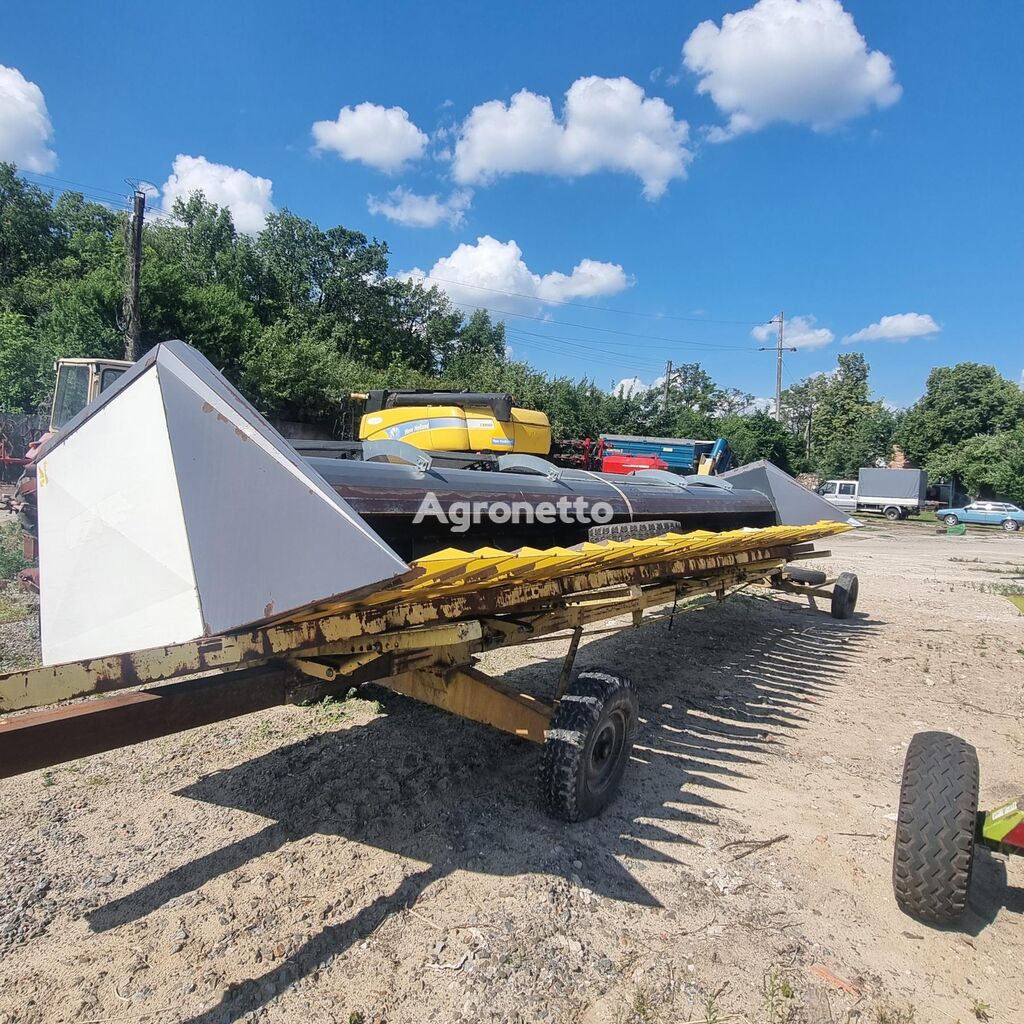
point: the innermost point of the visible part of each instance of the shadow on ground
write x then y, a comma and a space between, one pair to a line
719, 693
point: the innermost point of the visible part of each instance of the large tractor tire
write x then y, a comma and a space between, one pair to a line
935, 828
587, 747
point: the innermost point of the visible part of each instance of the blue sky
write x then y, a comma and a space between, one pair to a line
842, 163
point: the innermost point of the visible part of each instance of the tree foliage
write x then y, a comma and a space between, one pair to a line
960, 403
841, 427
299, 316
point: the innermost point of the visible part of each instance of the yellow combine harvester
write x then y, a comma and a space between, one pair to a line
453, 421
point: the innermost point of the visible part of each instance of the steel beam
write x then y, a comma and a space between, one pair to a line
44, 738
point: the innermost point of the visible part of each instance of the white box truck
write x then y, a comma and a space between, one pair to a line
896, 493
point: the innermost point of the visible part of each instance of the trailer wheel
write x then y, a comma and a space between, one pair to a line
633, 531
934, 855
951, 520
891, 512
587, 746
1011, 525
844, 595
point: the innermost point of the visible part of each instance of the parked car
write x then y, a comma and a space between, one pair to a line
992, 513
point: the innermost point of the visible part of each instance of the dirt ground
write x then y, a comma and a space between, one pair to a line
365, 862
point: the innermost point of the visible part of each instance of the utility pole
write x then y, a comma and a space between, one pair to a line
779, 349
668, 381
132, 319
778, 370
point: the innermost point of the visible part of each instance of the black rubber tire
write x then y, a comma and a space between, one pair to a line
951, 520
1011, 525
587, 747
633, 531
813, 577
935, 828
844, 595
892, 513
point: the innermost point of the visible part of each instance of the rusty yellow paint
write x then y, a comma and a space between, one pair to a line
471, 694
316, 669
451, 591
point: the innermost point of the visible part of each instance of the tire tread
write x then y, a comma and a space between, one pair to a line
934, 853
578, 711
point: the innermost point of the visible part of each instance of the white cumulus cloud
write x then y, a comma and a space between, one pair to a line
25, 129
897, 327
381, 137
415, 211
248, 197
797, 332
631, 386
493, 273
607, 124
800, 61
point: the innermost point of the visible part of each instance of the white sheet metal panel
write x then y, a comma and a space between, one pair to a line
794, 504
114, 565
173, 510
267, 533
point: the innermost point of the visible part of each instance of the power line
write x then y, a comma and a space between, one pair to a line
65, 181
588, 343
623, 362
585, 305
589, 327
100, 200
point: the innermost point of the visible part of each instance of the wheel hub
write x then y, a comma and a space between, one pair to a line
605, 751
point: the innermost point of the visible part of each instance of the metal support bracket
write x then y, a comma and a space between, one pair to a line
469, 693
528, 464
570, 659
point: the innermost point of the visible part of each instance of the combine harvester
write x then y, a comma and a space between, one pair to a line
193, 561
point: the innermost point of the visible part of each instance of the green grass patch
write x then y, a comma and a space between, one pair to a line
1017, 600
12, 558
11, 609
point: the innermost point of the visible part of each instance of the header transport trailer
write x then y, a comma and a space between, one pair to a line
208, 572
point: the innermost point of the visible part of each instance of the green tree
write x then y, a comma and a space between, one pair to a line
761, 436
24, 378
28, 228
960, 402
841, 427
986, 465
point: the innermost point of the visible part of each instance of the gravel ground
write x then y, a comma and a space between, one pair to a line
371, 862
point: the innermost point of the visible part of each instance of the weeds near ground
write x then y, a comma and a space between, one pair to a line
894, 1015
12, 560
980, 1009
643, 1008
712, 1015
331, 712
12, 609
777, 997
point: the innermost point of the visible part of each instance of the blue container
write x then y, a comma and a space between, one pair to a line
681, 454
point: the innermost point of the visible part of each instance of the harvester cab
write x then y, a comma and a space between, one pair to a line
453, 421
79, 382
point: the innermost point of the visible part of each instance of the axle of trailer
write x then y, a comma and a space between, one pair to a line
421, 640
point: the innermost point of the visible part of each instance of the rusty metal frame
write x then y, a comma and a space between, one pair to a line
349, 631
423, 649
